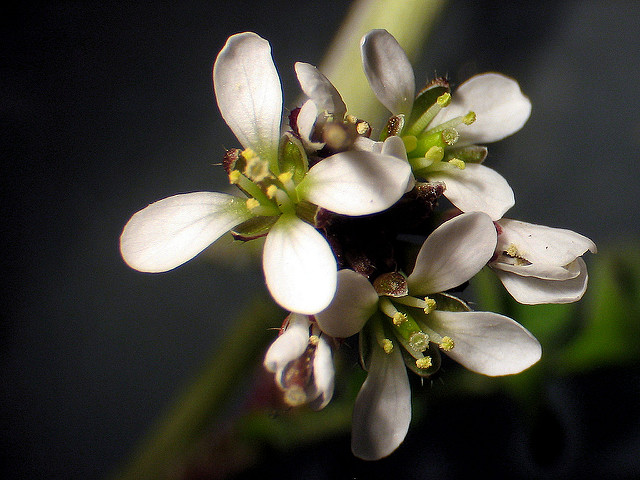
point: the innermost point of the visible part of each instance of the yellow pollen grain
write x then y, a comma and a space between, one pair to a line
458, 163
447, 343
285, 177
248, 154
252, 203
512, 251
424, 362
314, 340
410, 143
399, 318
435, 153
271, 191
444, 99
234, 176
387, 346
430, 305
469, 118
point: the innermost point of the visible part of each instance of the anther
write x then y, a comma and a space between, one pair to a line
234, 176
446, 343
271, 191
444, 100
424, 362
456, 162
435, 154
252, 203
410, 143
399, 318
387, 346
469, 118
430, 305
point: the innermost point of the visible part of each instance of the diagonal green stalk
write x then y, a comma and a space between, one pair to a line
409, 21
198, 405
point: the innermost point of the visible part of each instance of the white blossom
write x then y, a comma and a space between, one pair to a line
300, 268
539, 264
301, 359
499, 109
484, 342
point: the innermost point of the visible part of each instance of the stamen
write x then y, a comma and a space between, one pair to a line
253, 190
467, 119
381, 339
410, 143
271, 191
399, 318
252, 203
443, 101
424, 362
286, 179
447, 343
427, 305
435, 154
456, 162
430, 305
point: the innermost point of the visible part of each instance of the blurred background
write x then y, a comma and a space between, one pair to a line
108, 106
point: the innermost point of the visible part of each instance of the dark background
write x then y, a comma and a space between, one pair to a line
107, 107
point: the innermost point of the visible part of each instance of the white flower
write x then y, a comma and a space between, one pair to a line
299, 266
484, 342
324, 105
539, 264
301, 359
484, 109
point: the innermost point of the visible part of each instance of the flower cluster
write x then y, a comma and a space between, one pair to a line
356, 243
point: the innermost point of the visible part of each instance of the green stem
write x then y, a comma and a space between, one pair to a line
409, 21
193, 411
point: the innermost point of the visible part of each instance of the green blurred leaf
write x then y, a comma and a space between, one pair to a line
610, 326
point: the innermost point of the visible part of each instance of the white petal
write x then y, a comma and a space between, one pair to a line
356, 182
389, 71
534, 291
476, 188
323, 374
249, 94
306, 121
172, 231
382, 411
500, 107
539, 270
299, 266
355, 301
453, 253
290, 345
394, 146
365, 144
487, 343
319, 89
542, 244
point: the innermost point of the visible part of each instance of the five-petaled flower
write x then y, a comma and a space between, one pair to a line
299, 266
